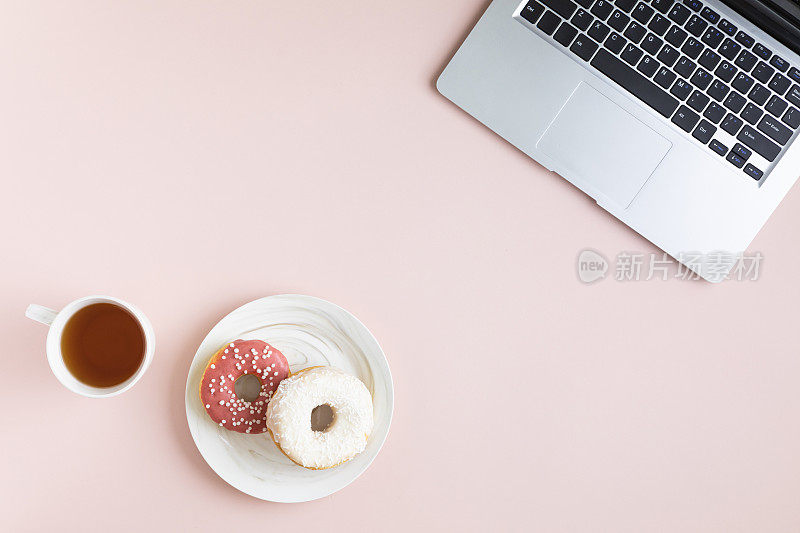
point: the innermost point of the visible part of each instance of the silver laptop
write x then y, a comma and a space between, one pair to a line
677, 117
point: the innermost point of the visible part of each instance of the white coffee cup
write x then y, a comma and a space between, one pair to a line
58, 319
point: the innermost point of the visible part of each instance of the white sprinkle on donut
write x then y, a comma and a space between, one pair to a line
219, 397
289, 417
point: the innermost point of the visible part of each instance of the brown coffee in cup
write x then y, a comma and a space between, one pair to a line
102, 345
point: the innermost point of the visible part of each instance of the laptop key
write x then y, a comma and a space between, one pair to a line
714, 112
583, 47
685, 118
709, 59
665, 77
701, 79
752, 171
725, 71
741, 151
668, 55
679, 14
759, 143
727, 27
696, 25
565, 33
712, 37
742, 83
718, 147
565, 8
532, 11
718, 90
759, 94
762, 51
676, 36
794, 95
692, 47
735, 102
602, 9
651, 44
731, 124
632, 54
618, 20
549, 22
642, 12
792, 117
662, 6
582, 19
752, 113
635, 32
794, 73
659, 25
634, 82
729, 49
774, 129
776, 106
647, 66
745, 60
598, 32
763, 72
685, 67
735, 159
698, 101
710, 15
704, 131
681, 89
615, 42
694, 5
779, 83
779, 63
585, 3
744, 39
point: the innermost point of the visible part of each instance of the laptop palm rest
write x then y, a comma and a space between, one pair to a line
611, 162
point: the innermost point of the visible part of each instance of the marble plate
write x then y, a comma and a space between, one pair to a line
309, 332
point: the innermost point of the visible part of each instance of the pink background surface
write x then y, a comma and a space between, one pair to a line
190, 156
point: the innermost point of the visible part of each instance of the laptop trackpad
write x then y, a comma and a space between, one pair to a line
596, 142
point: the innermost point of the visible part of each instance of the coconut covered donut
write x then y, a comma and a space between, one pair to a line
217, 388
320, 417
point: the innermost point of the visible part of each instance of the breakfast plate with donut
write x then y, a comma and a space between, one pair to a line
289, 398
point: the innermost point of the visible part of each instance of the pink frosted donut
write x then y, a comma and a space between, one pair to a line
231, 362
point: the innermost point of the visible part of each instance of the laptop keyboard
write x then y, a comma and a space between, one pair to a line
690, 65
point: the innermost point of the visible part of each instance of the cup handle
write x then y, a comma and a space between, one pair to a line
42, 314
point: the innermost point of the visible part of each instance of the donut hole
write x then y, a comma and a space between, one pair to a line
247, 387
322, 416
